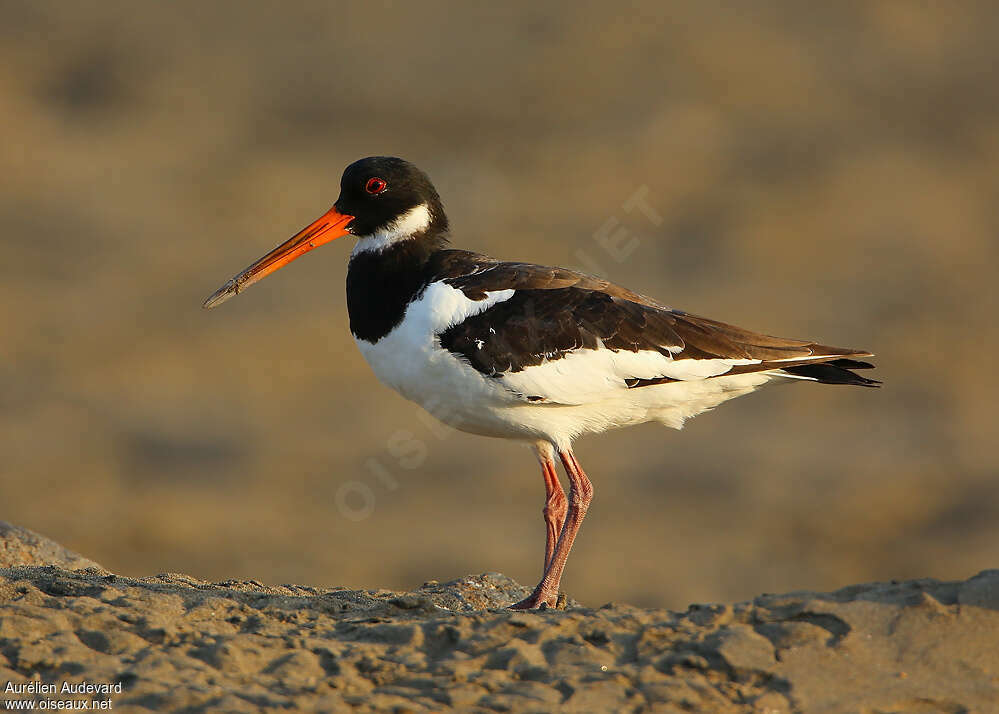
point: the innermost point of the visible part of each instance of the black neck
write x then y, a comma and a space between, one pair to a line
381, 284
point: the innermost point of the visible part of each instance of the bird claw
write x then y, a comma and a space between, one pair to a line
536, 601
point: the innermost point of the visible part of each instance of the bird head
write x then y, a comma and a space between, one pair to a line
383, 200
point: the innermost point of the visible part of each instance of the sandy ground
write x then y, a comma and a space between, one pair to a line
175, 643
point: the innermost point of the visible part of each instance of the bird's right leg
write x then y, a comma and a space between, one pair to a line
556, 503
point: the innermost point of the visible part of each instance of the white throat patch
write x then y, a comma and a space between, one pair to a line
415, 220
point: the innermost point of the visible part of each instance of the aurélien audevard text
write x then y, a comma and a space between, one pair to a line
35, 687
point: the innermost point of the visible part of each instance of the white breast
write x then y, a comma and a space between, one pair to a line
411, 360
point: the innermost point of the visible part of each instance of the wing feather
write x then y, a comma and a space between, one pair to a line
556, 312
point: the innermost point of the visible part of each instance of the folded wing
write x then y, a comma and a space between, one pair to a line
570, 338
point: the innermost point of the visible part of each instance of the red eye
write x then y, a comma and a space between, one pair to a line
375, 185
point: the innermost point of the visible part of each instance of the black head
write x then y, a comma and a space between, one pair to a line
384, 201
386, 194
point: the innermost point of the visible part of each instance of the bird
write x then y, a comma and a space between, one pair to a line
527, 352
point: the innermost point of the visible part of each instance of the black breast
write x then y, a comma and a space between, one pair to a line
379, 288
380, 285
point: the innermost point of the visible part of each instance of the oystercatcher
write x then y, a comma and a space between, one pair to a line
529, 352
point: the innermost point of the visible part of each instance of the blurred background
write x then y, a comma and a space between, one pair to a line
828, 171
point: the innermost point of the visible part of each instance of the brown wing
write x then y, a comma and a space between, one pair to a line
555, 311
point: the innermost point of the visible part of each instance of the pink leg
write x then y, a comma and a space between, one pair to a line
580, 495
555, 501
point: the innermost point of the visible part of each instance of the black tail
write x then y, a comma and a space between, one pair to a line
838, 371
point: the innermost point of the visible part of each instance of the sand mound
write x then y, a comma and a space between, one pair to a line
19, 546
176, 643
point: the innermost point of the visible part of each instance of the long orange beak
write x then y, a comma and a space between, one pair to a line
329, 226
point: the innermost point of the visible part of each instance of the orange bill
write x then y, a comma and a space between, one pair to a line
329, 226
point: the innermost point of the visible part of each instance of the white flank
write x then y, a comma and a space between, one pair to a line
415, 220
587, 375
